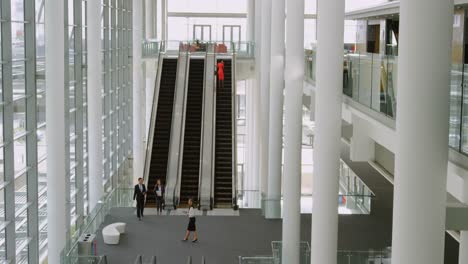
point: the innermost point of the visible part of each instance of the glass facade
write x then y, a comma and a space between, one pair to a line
23, 145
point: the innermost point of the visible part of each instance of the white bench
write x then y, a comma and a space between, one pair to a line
111, 233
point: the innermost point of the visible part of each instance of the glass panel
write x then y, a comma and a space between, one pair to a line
18, 79
19, 116
41, 143
20, 155
1, 124
2, 174
464, 121
456, 104
41, 108
378, 80
365, 79
17, 40
17, 10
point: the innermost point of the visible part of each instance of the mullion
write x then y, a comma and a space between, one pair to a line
8, 111
31, 126
107, 90
79, 181
68, 204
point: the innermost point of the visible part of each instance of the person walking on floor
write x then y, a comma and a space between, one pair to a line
140, 194
191, 225
220, 72
159, 192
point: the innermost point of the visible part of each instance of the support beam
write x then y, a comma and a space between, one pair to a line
327, 140
273, 201
294, 82
421, 155
55, 130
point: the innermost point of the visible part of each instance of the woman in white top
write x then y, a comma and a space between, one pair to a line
191, 225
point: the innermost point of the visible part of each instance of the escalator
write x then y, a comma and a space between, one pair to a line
162, 128
223, 141
192, 135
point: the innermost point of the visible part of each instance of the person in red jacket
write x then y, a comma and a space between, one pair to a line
220, 72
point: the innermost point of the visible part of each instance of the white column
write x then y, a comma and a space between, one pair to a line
294, 77
265, 92
150, 19
55, 130
327, 130
422, 130
138, 91
463, 251
254, 123
94, 103
250, 20
164, 20
273, 202
150, 65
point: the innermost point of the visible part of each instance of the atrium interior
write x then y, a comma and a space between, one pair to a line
265, 131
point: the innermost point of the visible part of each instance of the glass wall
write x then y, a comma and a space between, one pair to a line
23, 145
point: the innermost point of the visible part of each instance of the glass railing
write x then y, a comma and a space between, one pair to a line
143, 260
276, 258
358, 257
304, 252
120, 197
368, 78
355, 195
256, 260
151, 48
371, 80
87, 260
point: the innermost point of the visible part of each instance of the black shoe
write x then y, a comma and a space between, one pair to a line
139, 218
195, 241
184, 240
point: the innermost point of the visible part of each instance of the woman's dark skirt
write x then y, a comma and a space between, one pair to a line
191, 224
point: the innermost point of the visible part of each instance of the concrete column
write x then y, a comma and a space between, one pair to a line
265, 92
327, 130
273, 202
294, 80
94, 103
422, 131
250, 20
463, 251
138, 91
55, 130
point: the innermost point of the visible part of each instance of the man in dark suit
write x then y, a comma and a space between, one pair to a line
140, 195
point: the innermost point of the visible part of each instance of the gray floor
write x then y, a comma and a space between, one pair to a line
224, 238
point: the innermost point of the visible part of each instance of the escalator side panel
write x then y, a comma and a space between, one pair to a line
162, 129
192, 134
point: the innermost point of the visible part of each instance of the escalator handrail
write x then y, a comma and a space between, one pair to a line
234, 129
205, 197
171, 197
154, 109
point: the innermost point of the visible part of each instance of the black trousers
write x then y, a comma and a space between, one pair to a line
140, 206
159, 203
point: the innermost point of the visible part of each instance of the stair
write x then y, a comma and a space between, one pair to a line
162, 130
192, 136
223, 144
